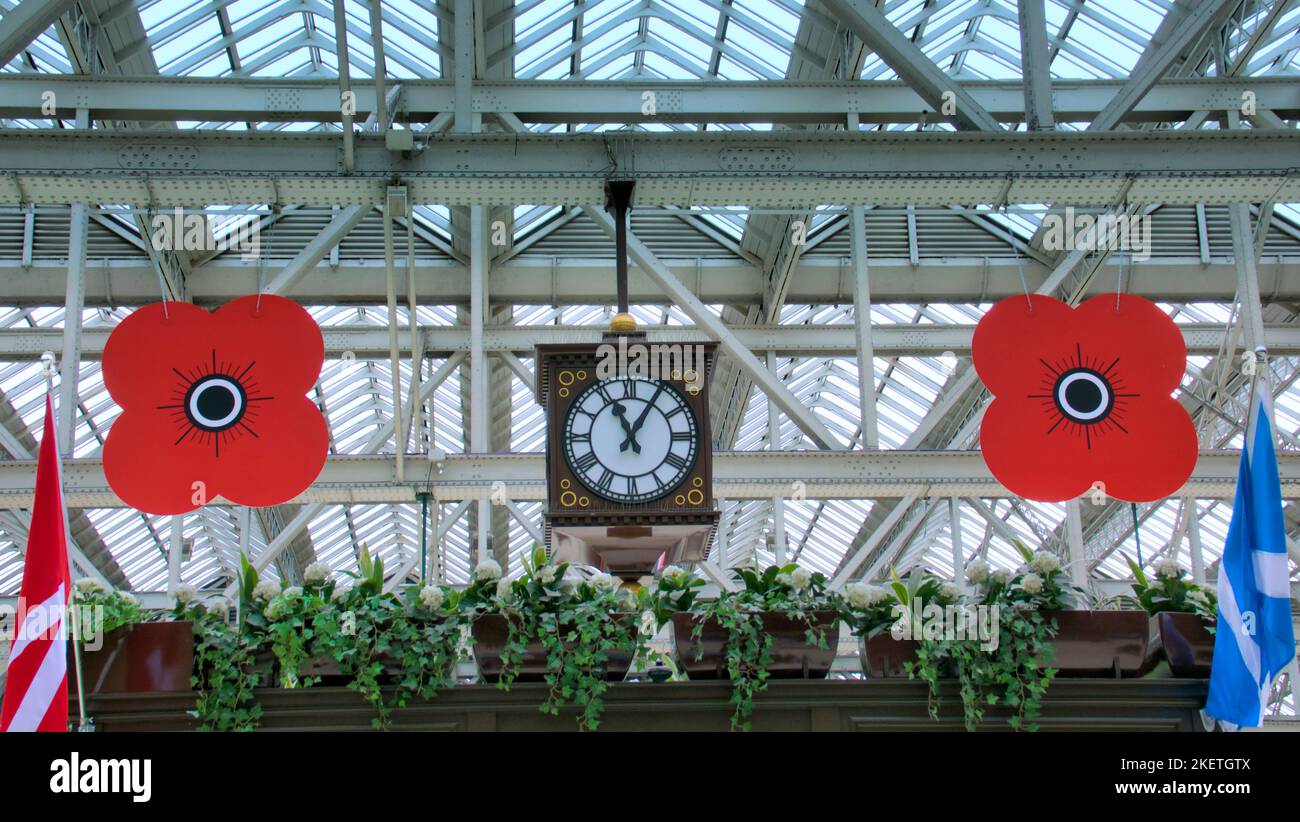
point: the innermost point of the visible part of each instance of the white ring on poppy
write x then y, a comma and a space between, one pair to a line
209, 384
1095, 380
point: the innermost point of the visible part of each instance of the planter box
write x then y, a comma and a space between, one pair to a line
151, 656
1188, 646
792, 657
884, 657
490, 632
1103, 643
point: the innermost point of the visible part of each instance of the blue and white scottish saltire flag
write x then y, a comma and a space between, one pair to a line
1255, 639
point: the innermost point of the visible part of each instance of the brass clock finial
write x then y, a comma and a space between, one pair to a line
622, 323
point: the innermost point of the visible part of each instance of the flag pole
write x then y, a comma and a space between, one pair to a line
74, 611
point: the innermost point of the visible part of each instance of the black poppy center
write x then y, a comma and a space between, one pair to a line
1084, 396
215, 403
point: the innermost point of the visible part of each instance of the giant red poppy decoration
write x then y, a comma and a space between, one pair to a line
214, 403
1083, 396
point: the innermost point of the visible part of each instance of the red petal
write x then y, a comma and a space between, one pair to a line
1152, 461
1156, 457
150, 472
1010, 340
1153, 350
144, 348
1027, 460
278, 334
282, 461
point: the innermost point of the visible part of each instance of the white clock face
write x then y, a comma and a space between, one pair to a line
630, 440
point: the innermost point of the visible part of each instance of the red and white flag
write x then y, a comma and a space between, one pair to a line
36, 686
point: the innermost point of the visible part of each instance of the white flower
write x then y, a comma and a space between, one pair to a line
504, 588
316, 573
604, 582
949, 591
89, 585
266, 589
1031, 583
185, 593
784, 579
977, 572
861, 595
675, 573
341, 591
1045, 562
1168, 568
487, 570
292, 592
275, 608
647, 582
1198, 596
219, 608
431, 597
127, 596
546, 574
999, 577
800, 578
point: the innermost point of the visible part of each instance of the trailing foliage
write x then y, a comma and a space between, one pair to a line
1016, 671
580, 623
226, 669
786, 589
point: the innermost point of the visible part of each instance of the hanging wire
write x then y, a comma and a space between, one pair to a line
1119, 281
1137, 536
261, 277
162, 280
1020, 267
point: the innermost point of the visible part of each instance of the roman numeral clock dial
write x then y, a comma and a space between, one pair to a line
630, 440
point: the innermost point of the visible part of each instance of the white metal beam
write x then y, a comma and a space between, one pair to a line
552, 280
737, 475
74, 299
317, 248
25, 22
315, 100
863, 331
1201, 16
1035, 63
910, 63
776, 390
786, 169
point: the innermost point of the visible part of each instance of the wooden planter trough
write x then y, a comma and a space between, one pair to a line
151, 656
1103, 643
1087, 644
884, 657
490, 633
792, 656
1188, 646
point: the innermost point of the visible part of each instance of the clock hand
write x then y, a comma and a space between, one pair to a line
636, 426
619, 411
